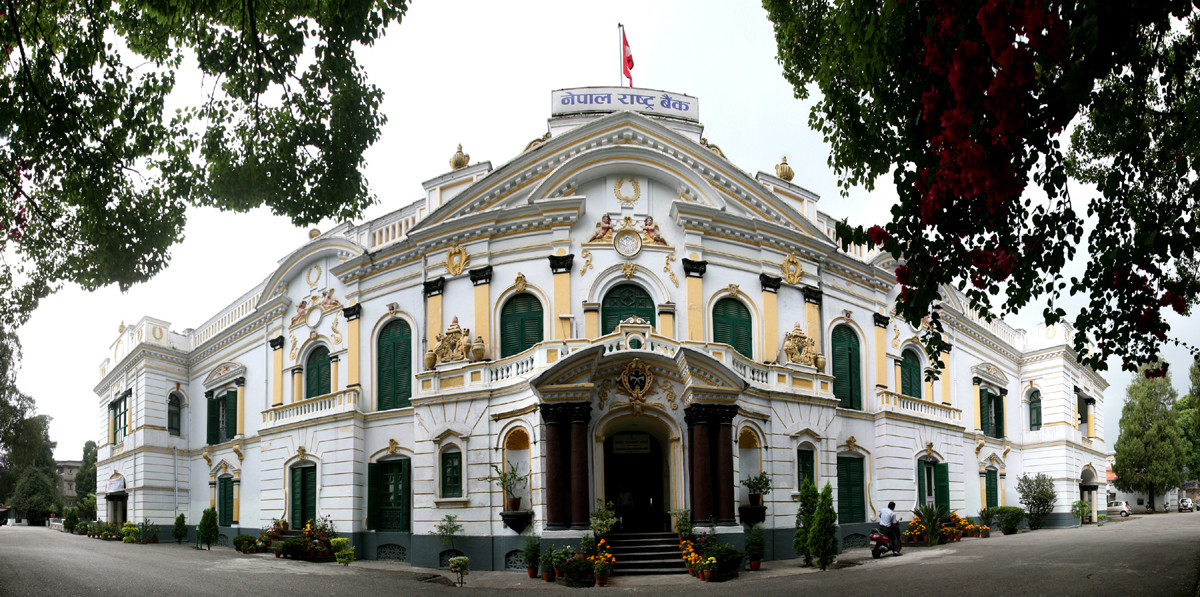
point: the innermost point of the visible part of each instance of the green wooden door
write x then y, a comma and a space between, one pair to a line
521, 324
732, 326
921, 494
993, 493
225, 501
852, 505
317, 372
389, 496
847, 367
395, 366
622, 302
304, 495
910, 375
941, 484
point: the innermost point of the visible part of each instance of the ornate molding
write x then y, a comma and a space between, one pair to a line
791, 269
720, 414
519, 283
636, 380
457, 260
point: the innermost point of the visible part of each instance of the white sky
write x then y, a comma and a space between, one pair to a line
478, 73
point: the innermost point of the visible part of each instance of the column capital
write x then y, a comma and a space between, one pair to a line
276, 343
435, 287
352, 312
710, 413
297, 370
558, 412
976, 381
881, 321
1088, 400
1003, 391
481, 275
335, 358
770, 283
561, 264
812, 295
239, 382
694, 268
208, 394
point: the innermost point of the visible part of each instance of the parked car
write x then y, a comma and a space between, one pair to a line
1120, 507
1186, 505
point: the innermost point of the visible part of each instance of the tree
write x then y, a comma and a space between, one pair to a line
29, 447
822, 537
179, 529
1038, 497
208, 530
86, 504
97, 167
965, 104
15, 406
1150, 448
1187, 415
85, 477
36, 494
804, 517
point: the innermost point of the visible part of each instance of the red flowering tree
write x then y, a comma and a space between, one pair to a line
965, 104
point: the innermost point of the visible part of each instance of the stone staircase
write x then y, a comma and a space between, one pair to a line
646, 553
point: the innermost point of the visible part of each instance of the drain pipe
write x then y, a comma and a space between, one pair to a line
175, 473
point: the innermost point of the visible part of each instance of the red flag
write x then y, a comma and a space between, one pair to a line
627, 57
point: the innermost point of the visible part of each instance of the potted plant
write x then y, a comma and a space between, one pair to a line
461, 565
683, 523
755, 546
758, 485
603, 566
531, 549
547, 561
1101, 519
508, 481
1081, 509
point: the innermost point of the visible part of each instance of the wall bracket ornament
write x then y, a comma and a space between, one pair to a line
393, 447
636, 380
587, 261
792, 269
457, 260
301, 453
628, 269
206, 454
669, 271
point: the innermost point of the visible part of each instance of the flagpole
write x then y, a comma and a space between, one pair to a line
621, 52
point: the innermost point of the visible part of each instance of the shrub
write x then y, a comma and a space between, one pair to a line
128, 540
447, 529
208, 529
755, 543
243, 542
130, 530
531, 549
71, 520
295, 547
179, 531
577, 571
603, 518
987, 517
728, 560
804, 516
822, 536
1010, 518
933, 517
547, 560
339, 543
460, 565
345, 556
760, 483
683, 523
1080, 509
1038, 497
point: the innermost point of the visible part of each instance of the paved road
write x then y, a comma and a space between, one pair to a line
1154, 555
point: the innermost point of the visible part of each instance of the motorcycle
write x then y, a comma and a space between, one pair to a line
880, 543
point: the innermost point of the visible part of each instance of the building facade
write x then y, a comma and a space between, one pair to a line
619, 312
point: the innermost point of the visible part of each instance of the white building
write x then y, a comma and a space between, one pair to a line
619, 311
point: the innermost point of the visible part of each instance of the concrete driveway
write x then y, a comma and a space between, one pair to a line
1141, 555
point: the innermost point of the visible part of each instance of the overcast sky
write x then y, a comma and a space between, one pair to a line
477, 73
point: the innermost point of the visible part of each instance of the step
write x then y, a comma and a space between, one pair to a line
654, 563
642, 556
630, 543
649, 571
646, 535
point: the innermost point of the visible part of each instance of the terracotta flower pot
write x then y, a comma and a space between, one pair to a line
756, 499
601, 580
548, 576
278, 554
708, 575
531, 571
754, 565
514, 504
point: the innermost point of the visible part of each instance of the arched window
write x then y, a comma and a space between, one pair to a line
847, 367
622, 302
910, 374
516, 455
933, 483
174, 411
451, 472
732, 325
395, 365
520, 324
806, 465
852, 504
317, 370
1035, 411
749, 459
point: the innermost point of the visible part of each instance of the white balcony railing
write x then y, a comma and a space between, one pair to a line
925, 409
311, 408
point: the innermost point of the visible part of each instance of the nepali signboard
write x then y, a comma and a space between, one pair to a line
612, 99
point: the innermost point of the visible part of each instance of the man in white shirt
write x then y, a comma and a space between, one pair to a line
891, 526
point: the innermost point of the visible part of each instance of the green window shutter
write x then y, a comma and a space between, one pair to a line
941, 484
173, 415
985, 413
732, 325
387, 369
406, 495
910, 375
920, 482
520, 324
225, 501
310, 493
230, 414
993, 491
622, 302
317, 373
451, 474
374, 496
297, 510
214, 418
808, 469
998, 415
395, 365
851, 502
1035, 411
841, 366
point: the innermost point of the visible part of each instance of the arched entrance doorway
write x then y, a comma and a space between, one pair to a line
637, 473
1087, 492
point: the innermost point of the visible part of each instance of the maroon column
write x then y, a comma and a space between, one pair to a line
701, 477
724, 471
580, 415
691, 460
556, 515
